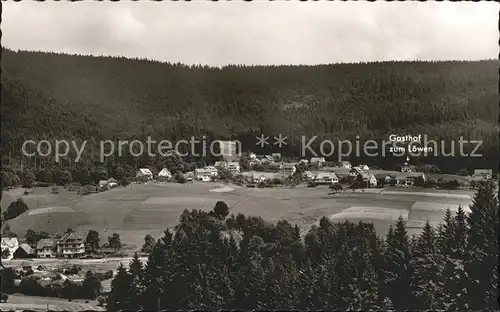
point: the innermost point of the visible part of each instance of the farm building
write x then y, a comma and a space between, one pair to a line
144, 173
213, 171
368, 178
233, 167
46, 248
412, 176
202, 174
318, 160
24, 251
326, 177
165, 174
482, 174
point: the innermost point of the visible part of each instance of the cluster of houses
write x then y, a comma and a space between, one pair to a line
70, 245
329, 175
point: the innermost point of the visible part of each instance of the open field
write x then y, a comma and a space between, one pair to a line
20, 302
142, 209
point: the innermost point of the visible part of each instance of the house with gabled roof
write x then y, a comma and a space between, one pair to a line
345, 164
368, 178
165, 174
355, 171
46, 248
144, 173
10, 243
326, 177
24, 251
71, 245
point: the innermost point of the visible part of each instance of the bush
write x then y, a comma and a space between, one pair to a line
15, 209
29, 180
311, 184
179, 177
88, 189
9, 179
73, 270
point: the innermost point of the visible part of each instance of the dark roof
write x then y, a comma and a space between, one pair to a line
70, 236
26, 248
45, 242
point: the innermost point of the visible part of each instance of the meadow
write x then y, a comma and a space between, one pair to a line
141, 209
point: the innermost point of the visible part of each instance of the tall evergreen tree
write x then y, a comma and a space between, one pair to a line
481, 260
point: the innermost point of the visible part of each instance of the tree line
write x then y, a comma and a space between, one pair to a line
53, 96
214, 261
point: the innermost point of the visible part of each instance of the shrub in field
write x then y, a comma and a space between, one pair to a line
15, 209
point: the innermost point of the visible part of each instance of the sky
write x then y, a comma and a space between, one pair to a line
258, 32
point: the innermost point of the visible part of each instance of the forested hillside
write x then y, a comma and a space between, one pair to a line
56, 96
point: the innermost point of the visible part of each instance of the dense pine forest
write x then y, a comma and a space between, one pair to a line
343, 267
58, 96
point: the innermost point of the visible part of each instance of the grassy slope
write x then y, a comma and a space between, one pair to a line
133, 213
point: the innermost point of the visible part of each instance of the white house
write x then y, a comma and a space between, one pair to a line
144, 173
288, 169
233, 167
304, 161
112, 182
364, 167
46, 248
482, 174
71, 245
10, 243
318, 160
202, 174
213, 171
165, 174
252, 155
326, 177
355, 171
409, 180
103, 185
345, 164
369, 178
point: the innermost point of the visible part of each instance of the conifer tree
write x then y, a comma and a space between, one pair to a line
481, 260
427, 270
119, 297
398, 269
